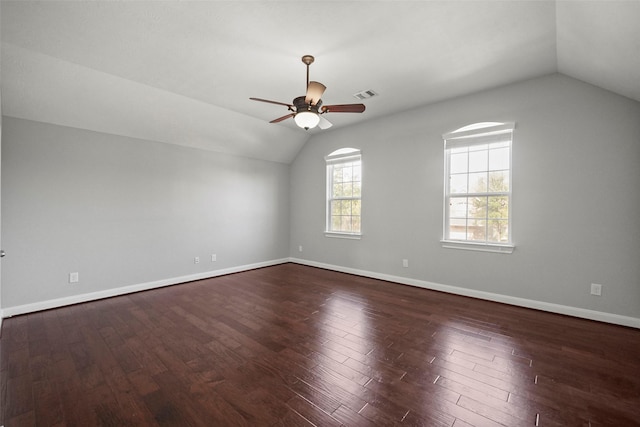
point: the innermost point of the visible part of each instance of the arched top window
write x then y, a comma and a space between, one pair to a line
477, 203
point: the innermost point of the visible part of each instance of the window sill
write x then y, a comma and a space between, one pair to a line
482, 247
352, 236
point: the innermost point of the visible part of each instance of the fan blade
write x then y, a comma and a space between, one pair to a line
324, 123
272, 102
344, 108
279, 119
314, 92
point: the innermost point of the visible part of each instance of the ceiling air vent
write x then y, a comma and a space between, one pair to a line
365, 94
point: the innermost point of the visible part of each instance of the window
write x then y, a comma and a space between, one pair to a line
344, 189
477, 205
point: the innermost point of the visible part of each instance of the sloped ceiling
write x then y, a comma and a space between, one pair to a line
182, 72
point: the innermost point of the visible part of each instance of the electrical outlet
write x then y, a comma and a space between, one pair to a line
405, 263
214, 257
300, 248
196, 260
74, 277
596, 289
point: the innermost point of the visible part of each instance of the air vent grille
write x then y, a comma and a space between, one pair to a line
365, 94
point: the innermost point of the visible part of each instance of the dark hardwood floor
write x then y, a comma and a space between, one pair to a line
292, 345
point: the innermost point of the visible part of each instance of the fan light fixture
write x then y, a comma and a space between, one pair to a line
307, 119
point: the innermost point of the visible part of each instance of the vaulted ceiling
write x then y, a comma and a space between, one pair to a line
182, 72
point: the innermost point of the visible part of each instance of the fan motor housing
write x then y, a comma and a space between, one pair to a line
302, 105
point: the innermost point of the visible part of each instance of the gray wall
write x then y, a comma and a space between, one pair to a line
576, 201
122, 211
1, 212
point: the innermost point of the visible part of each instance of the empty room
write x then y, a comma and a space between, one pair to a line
307, 213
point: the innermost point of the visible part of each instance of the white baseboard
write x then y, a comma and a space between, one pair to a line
506, 299
76, 299
521, 302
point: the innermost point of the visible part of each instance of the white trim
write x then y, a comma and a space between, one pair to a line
343, 154
76, 299
450, 144
496, 128
583, 313
351, 157
338, 235
474, 246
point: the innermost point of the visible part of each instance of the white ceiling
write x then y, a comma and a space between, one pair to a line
182, 72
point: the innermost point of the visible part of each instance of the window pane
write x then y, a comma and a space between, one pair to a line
345, 207
458, 229
356, 189
478, 182
335, 223
345, 224
458, 183
335, 207
337, 173
499, 159
479, 147
498, 231
355, 224
459, 163
347, 173
458, 207
355, 207
476, 230
477, 207
347, 189
478, 161
499, 181
499, 207
337, 190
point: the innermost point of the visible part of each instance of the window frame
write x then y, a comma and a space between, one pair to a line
477, 134
340, 157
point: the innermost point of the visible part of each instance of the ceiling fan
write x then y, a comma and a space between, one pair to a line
307, 110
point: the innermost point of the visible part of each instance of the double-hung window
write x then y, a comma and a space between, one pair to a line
344, 190
477, 201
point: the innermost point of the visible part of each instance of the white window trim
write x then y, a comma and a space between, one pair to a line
476, 135
339, 156
477, 246
343, 235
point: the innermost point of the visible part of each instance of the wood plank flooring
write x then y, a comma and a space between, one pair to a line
292, 345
